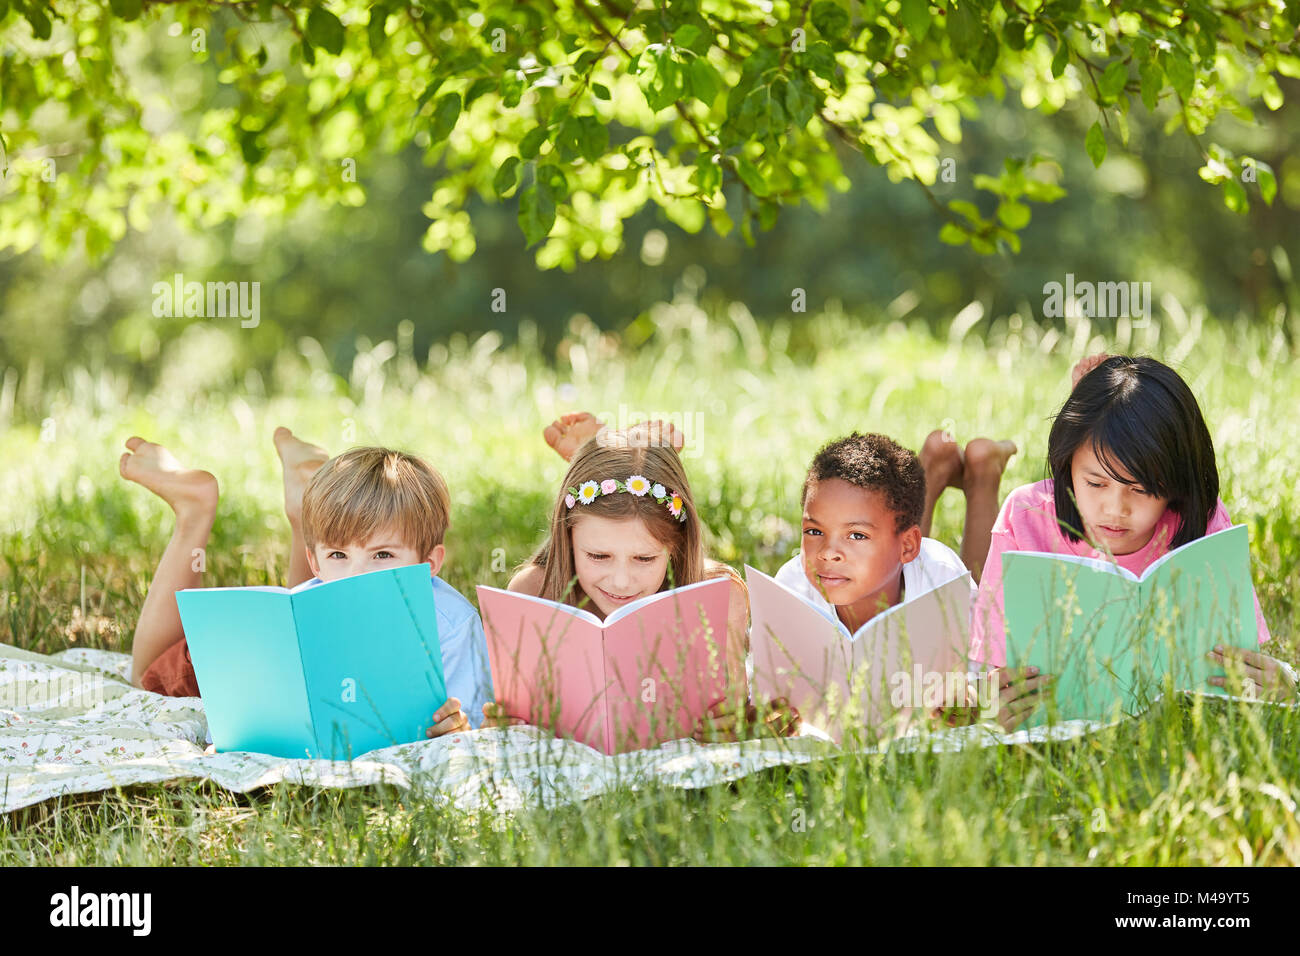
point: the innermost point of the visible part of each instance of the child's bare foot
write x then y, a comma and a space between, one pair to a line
570, 432
1084, 366
300, 461
191, 493
942, 460
986, 460
657, 433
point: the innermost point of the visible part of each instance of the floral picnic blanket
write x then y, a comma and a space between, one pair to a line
72, 723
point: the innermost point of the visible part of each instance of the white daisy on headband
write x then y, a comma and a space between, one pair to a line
637, 485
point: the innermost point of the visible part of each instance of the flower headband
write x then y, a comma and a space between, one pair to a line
638, 485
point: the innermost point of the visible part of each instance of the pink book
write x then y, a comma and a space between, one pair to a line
893, 663
643, 675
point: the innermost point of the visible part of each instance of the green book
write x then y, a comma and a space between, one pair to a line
1113, 640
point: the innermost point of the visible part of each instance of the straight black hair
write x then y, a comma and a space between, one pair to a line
1137, 413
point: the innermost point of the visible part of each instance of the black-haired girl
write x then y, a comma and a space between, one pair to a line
1133, 476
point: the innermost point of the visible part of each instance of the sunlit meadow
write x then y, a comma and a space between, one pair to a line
1191, 782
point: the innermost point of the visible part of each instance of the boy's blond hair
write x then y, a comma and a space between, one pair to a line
365, 490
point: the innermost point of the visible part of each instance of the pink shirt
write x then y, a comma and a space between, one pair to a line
1027, 522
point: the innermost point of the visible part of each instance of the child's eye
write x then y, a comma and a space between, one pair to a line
596, 557
647, 558
811, 531
336, 554
857, 536
1091, 484
384, 555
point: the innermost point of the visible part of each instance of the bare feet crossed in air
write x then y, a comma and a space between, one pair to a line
570, 432
192, 495
299, 461
976, 471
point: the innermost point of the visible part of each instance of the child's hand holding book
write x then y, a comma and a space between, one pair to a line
1020, 691
1257, 675
448, 719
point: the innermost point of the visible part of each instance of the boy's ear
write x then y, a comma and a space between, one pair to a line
311, 562
911, 540
436, 557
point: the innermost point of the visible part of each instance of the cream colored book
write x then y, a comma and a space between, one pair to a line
911, 656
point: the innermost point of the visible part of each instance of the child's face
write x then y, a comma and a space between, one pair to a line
384, 549
852, 551
617, 560
1121, 517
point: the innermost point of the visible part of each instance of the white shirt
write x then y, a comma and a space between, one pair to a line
935, 565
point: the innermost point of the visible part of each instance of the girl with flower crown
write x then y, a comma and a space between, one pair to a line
624, 527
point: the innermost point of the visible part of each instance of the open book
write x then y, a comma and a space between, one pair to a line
328, 670
643, 675
909, 656
1114, 640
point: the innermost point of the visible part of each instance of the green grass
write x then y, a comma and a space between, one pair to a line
1208, 783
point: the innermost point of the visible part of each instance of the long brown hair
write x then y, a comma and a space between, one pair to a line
613, 455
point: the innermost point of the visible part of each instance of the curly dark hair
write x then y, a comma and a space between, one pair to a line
877, 463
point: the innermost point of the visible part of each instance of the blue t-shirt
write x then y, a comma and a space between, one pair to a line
464, 650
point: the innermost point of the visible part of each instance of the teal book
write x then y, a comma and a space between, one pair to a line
1113, 640
328, 670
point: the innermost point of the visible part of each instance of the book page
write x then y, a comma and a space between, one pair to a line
856, 684
548, 666
244, 647
665, 663
371, 658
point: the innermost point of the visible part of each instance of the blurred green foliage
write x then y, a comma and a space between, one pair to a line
201, 142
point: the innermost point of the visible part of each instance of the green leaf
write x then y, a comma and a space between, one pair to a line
1112, 80
325, 30
375, 29
532, 141
1040, 191
551, 182
478, 88
751, 177
1014, 34
1014, 215
251, 146
963, 27
685, 35
1096, 144
592, 138
722, 223
126, 9
1061, 58
1267, 181
704, 81
916, 17
445, 113
600, 91
664, 85
1153, 78
507, 177
967, 209
536, 214
953, 234
1182, 77
511, 89
1234, 195
39, 21
830, 19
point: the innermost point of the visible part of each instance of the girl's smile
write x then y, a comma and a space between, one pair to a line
617, 560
